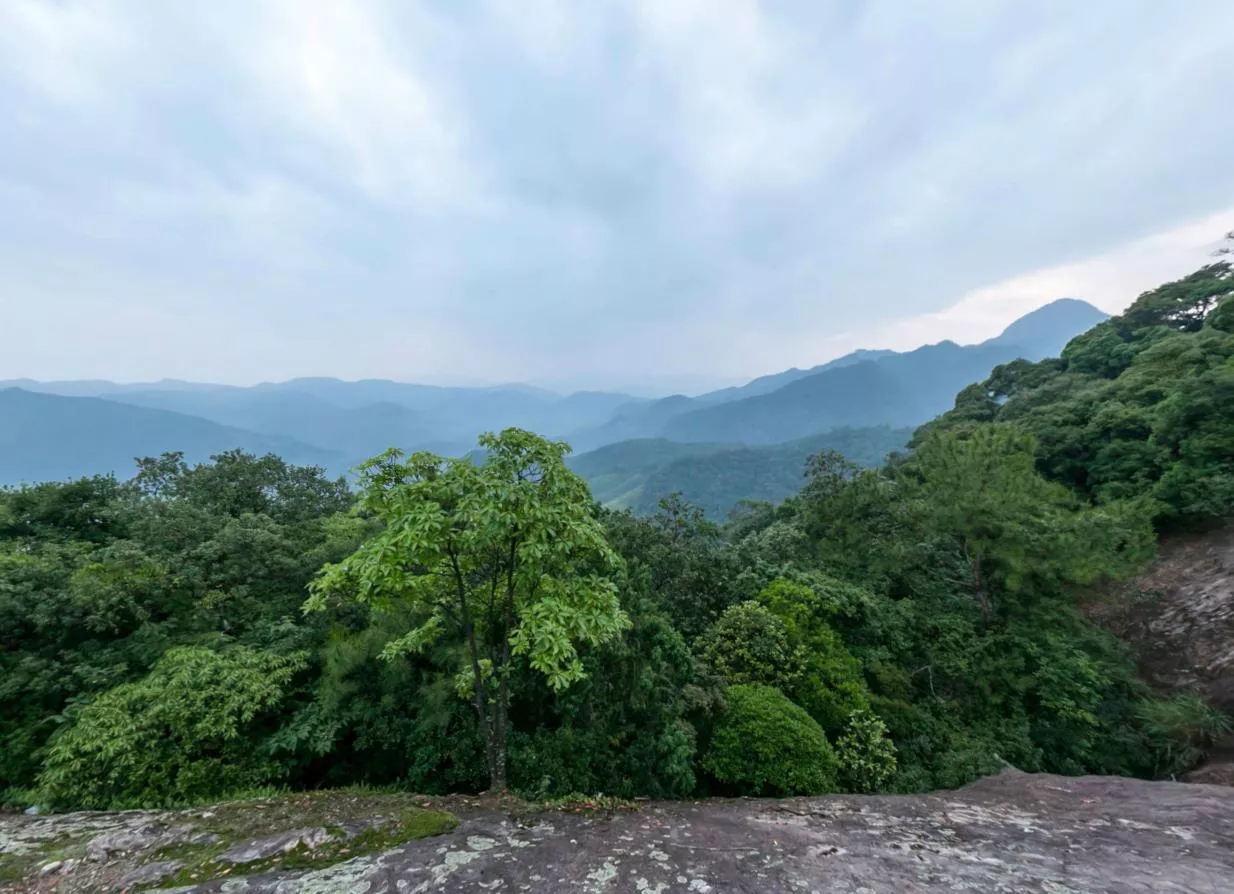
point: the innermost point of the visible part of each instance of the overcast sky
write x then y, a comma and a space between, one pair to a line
590, 193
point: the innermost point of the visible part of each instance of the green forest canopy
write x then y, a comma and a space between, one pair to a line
900, 628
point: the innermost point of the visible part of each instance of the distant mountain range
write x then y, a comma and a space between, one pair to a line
47, 437
722, 446
859, 389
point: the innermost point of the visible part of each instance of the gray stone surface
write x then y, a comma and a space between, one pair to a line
1185, 631
136, 838
249, 851
1010, 833
150, 873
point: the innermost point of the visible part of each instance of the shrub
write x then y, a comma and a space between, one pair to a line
1180, 730
765, 745
183, 733
867, 757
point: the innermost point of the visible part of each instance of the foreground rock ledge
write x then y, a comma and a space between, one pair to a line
1011, 833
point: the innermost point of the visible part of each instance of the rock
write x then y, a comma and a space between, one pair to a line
50, 868
33, 810
1183, 624
141, 838
1213, 773
150, 873
262, 848
1015, 832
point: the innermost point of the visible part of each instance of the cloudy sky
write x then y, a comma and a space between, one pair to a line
595, 193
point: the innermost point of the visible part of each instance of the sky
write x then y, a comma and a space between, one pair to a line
636, 193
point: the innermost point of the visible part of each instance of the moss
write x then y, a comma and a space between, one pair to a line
395, 822
389, 820
16, 866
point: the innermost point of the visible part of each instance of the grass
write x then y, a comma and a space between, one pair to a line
397, 824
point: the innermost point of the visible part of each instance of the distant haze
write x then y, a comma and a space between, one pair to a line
729, 444
640, 195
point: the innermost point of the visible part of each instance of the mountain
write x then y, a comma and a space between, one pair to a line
864, 388
47, 437
767, 384
637, 474
1046, 331
104, 388
355, 433
618, 472
340, 423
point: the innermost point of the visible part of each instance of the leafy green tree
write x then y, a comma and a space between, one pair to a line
507, 556
235, 483
763, 744
829, 682
623, 730
867, 757
1014, 530
748, 644
184, 732
693, 572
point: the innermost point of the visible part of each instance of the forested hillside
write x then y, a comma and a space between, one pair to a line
458, 625
1139, 407
716, 477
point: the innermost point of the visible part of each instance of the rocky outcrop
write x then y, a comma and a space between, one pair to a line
1184, 627
1011, 833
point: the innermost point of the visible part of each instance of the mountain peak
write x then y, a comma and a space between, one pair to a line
1045, 331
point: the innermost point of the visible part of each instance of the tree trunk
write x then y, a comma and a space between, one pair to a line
497, 772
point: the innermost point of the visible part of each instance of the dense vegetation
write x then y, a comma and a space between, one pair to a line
716, 477
461, 625
1140, 406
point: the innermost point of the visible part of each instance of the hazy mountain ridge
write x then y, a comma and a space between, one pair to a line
338, 423
863, 388
51, 437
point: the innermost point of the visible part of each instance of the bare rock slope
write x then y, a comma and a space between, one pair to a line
1187, 638
1011, 833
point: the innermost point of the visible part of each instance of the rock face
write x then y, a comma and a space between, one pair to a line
1179, 617
251, 851
1011, 833
1186, 633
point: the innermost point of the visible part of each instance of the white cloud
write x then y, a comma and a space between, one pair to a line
546, 188
1111, 281
748, 119
336, 72
66, 51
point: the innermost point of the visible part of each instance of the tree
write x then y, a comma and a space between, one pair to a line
507, 557
829, 684
182, 733
766, 745
1015, 531
867, 757
748, 644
